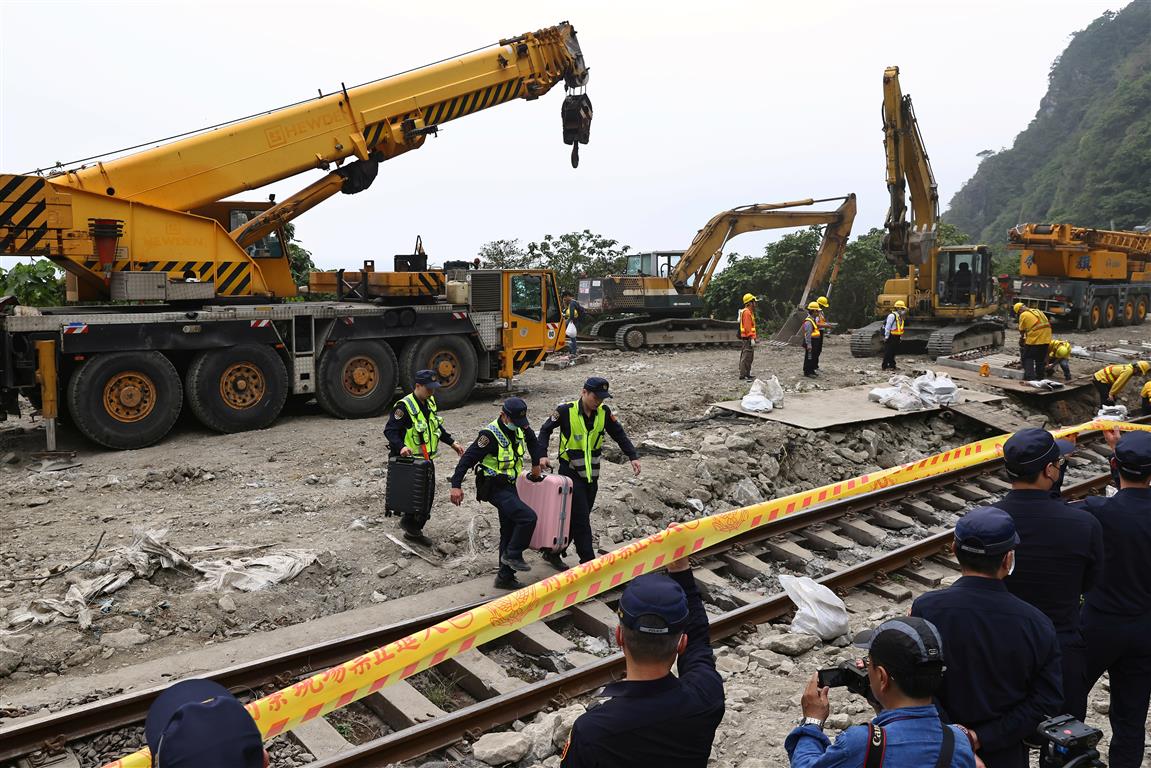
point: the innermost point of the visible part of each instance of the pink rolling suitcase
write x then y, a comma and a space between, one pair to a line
551, 499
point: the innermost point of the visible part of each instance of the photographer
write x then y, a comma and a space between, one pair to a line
904, 670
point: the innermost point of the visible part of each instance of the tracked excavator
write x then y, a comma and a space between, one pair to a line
949, 291
657, 302
184, 294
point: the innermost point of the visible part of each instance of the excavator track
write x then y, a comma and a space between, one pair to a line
952, 339
677, 331
867, 341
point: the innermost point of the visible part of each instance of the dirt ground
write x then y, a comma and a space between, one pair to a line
316, 484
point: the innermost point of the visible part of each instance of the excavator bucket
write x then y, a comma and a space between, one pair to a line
789, 333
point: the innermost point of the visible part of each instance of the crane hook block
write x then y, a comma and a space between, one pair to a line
576, 113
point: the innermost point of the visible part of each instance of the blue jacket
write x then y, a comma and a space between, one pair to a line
1125, 589
665, 723
914, 738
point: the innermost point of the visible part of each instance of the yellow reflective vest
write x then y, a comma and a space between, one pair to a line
1035, 327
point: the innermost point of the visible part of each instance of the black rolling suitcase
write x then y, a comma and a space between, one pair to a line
410, 488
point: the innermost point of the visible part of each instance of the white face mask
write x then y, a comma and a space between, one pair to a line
1011, 568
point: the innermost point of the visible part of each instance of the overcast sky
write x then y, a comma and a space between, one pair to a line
698, 107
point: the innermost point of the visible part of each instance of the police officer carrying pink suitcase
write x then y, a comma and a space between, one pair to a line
498, 456
582, 424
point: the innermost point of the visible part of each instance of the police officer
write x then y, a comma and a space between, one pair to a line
904, 670
582, 424
655, 718
893, 333
499, 451
1003, 676
415, 428
812, 340
1117, 613
1060, 550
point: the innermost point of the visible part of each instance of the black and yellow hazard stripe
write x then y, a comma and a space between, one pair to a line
526, 358
23, 213
468, 103
232, 278
430, 283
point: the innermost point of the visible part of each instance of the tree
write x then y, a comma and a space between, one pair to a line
503, 254
578, 254
38, 284
299, 258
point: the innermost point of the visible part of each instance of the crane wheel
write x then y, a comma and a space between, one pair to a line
1126, 313
1140, 310
236, 389
1109, 313
452, 358
357, 379
1094, 318
125, 400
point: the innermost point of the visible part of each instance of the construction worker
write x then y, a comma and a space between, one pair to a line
1059, 353
747, 337
1034, 338
572, 313
499, 450
812, 340
892, 333
415, 428
824, 328
1111, 380
582, 424
1145, 398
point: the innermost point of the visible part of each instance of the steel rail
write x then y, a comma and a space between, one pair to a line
442, 732
51, 731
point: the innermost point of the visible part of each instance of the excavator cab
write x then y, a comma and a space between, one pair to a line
654, 264
963, 278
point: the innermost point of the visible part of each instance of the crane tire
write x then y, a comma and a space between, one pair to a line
1126, 313
1140, 310
357, 379
236, 389
1110, 315
125, 400
451, 357
1093, 320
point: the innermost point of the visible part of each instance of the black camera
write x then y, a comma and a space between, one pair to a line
850, 674
1068, 743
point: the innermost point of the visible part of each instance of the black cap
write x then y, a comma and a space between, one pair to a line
427, 378
1133, 453
1028, 451
986, 531
653, 604
199, 723
905, 642
597, 385
517, 410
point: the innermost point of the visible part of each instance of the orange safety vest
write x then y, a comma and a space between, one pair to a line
746, 323
898, 329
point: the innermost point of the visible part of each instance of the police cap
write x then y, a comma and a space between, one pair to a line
1028, 451
1133, 453
986, 531
427, 378
654, 605
198, 722
597, 385
517, 411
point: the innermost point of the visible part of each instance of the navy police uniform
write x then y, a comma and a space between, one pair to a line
584, 474
1059, 557
1003, 667
1117, 613
500, 459
669, 722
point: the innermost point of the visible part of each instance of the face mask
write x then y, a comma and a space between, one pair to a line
1011, 569
1058, 484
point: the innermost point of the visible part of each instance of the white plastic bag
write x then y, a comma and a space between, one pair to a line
1112, 413
774, 392
756, 398
572, 330
818, 611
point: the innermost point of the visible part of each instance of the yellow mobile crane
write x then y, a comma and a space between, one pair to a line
155, 226
949, 291
667, 286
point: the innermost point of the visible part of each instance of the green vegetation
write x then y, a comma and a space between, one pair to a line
572, 256
37, 284
299, 258
1086, 156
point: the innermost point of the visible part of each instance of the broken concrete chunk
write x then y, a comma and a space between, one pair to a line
501, 748
792, 644
125, 638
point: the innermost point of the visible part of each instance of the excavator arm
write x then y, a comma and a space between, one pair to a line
908, 241
698, 263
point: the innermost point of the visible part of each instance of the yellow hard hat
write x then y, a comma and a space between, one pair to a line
1061, 349
1144, 366
814, 306
900, 304
1019, 306
748, 297
823, 302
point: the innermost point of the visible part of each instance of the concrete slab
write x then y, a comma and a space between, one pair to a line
970, 492
719, 591
860, 531
921, 510
889, 518
822, 539
481, 677
889, 589
828, 408
319, 737
401, 706
790, 552
746, 566
997, 418
993, 485
948, 501
595, 618
1017, 386
539, 640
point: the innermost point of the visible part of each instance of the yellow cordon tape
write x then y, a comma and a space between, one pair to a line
341, 685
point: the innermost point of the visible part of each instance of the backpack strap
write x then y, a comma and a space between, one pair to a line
876, 746
948, 748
